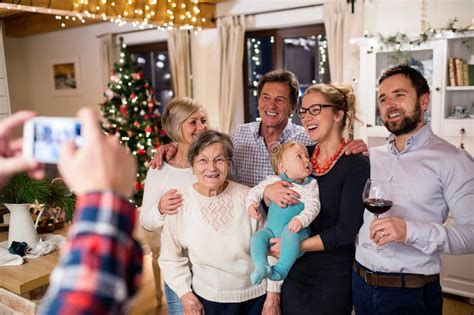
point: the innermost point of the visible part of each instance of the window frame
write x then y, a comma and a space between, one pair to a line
279, 35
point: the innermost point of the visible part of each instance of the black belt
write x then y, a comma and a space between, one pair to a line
398, 280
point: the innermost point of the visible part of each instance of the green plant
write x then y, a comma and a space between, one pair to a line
53, 193
23, 189
61, 197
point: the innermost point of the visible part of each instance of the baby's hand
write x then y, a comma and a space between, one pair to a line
253, 211
295, 225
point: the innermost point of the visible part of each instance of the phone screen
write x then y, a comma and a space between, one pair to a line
49, 134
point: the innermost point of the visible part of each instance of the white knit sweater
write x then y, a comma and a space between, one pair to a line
157, 183
206, 247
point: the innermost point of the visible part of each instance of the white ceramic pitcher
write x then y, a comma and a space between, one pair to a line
22, 228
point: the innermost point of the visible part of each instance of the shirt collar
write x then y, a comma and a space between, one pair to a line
284, 135
412, 143
285, 178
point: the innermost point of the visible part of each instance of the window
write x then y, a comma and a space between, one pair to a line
156, 68
301, 50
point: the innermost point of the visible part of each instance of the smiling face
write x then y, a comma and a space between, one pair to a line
323, 126
274, 105
193, 126
295, 163
400, 108
211, 168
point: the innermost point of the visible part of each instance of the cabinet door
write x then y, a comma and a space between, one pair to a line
457, 274
426, 58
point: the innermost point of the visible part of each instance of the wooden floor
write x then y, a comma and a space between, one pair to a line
145, 303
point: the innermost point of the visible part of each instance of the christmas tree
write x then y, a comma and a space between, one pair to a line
131, 111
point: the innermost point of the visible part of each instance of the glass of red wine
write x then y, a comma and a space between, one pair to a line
376, 198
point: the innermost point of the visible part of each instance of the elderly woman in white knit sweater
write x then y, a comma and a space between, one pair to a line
205, 254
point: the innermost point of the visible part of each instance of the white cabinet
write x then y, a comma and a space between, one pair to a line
457, 275
431, 58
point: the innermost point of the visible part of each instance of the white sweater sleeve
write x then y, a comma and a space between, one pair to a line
173, 261
150, 218
312, 205
255, 195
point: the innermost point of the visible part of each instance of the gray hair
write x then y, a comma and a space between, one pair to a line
207, 138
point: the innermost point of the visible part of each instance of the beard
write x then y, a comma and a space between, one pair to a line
408, 124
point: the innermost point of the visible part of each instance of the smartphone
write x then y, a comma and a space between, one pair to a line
43, 136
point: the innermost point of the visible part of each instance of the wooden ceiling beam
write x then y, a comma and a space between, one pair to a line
28, 23
33, 23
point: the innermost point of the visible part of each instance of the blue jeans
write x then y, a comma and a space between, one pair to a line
174, 303
381, 300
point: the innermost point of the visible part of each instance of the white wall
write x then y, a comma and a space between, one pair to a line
29, 60
391, 16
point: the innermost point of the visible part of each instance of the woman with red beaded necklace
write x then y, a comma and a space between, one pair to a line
320, 281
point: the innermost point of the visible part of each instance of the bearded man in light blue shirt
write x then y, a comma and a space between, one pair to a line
429, 178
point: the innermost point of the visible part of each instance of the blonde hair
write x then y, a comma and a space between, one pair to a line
277, 150
176, 112
343, 96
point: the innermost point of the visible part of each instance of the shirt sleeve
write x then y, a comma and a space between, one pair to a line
255, 195
351, 209
312, 205
100, 265
174, 262
150, 217
458, 189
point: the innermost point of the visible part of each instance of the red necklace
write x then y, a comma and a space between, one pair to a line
320, 170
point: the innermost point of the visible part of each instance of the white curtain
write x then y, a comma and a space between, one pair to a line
232, 36
342, 25
108, 55
180, 61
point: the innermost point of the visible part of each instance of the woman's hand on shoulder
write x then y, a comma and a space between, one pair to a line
191, 304
357, 146
167, 151
272, 304
170, 202
280, 194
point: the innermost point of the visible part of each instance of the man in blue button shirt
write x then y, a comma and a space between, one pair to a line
428, 178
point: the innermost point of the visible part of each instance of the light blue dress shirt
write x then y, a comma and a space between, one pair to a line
428, 179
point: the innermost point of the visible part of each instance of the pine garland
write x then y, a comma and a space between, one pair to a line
397, 40
131, 112
23, 189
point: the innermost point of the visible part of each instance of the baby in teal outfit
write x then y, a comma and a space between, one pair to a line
290, 224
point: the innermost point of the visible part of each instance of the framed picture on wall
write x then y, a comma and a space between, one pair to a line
65, 76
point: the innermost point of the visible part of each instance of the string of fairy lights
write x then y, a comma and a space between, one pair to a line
255, 54
168, 14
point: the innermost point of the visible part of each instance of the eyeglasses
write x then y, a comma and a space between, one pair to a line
314, 109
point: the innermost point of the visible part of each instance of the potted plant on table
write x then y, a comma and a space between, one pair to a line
23, 193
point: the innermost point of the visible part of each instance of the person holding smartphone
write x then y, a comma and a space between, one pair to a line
101, 263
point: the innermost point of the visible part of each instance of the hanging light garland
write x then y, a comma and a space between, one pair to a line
165, 14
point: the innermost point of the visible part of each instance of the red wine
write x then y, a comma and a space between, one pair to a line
377, 206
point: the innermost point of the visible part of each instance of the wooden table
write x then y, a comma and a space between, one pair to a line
21, 280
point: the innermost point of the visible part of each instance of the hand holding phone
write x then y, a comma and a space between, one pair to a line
12, 159
43, 137
102, 163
